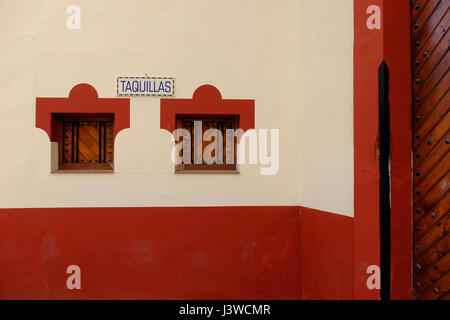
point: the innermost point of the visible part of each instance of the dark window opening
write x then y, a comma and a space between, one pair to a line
223, 155
85, 142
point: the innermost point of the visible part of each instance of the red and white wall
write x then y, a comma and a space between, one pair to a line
142, 232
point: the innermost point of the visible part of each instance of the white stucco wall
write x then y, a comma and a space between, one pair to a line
293, 57
326, 105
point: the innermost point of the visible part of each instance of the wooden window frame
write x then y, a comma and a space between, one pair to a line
86, 166
208, 168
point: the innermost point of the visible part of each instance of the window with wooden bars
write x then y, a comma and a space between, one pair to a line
222, 159
85, 142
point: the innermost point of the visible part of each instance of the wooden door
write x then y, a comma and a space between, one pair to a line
431, 101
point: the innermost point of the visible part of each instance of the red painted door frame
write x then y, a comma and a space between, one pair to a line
391, 43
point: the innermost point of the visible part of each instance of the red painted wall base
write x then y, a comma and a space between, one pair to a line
326, 255
176, 253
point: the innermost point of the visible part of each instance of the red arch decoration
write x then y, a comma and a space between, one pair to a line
207, 99
83, 98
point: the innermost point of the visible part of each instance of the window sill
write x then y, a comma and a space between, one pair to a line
82, 171
207, 172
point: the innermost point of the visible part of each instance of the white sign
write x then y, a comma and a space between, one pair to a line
145, 86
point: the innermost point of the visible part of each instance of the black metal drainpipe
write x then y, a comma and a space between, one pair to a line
384, 146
